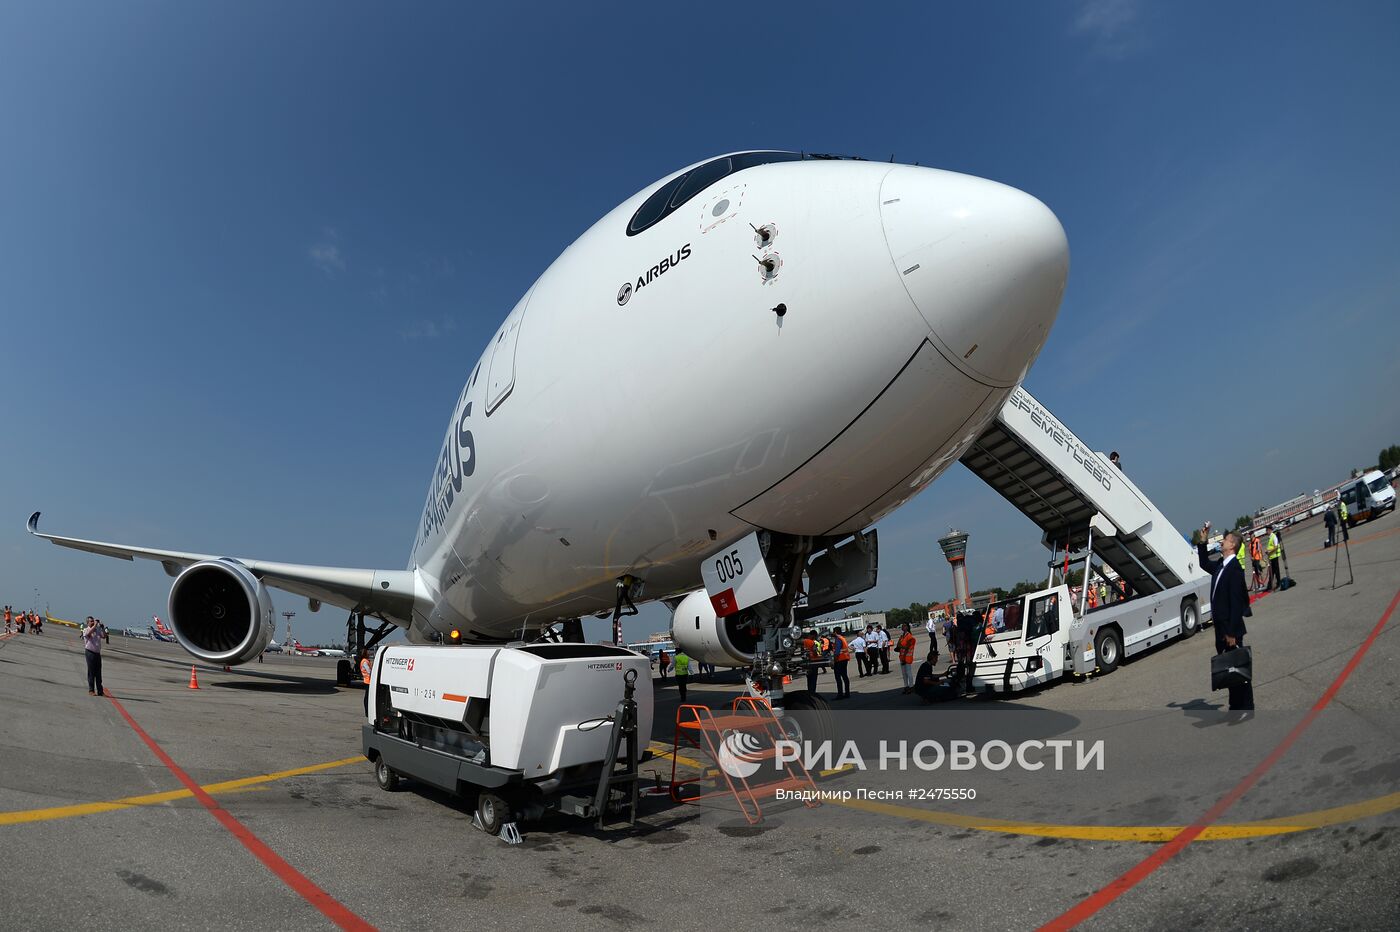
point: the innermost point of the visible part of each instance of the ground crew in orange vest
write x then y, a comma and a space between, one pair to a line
905, 646
9, 620
1256, 557
364, 666
840, 665
1093, 597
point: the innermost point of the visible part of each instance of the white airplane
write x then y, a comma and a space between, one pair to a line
763, 353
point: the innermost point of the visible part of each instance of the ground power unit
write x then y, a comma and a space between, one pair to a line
519, 729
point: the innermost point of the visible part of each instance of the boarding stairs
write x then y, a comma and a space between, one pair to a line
1037, 464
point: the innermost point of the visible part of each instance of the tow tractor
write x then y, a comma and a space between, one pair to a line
519, 729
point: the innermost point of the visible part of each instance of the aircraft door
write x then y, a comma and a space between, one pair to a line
500, 375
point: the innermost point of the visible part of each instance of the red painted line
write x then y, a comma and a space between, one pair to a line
1138, 872
328, 905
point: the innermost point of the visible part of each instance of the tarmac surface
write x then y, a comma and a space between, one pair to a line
1291, 819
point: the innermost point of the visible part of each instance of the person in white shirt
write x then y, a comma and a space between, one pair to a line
92, 633
858, 648
884, 649
872, 650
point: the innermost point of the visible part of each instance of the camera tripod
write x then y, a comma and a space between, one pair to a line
1337, 547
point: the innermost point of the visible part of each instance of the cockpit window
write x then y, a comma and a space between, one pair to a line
684, 187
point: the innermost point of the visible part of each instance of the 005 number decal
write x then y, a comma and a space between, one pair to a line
729, 566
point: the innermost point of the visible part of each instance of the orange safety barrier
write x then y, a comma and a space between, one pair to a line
718, 736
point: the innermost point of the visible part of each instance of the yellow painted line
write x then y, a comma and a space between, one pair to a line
1283, 825
1262, 828
243, 784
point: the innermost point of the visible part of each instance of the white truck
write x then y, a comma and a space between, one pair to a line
1368, 497
1092, 515
520, 729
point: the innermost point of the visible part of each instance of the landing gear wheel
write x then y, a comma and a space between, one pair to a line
1190, 619
491, 813
385, 776
342, 672
1108, 648
812, 714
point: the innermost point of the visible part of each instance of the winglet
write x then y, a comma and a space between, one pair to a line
34, 523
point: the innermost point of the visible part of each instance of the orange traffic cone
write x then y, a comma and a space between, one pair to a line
194, 681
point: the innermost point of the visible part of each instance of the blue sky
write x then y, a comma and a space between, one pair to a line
250, 252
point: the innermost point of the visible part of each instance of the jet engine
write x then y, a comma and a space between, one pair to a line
221, 612
724, 642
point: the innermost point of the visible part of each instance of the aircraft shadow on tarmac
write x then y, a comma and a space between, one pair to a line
262, 682
282, 684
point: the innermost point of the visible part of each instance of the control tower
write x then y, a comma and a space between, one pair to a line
954, 545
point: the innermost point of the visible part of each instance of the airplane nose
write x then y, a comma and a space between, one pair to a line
984, 263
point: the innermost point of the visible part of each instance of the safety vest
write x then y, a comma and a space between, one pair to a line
364, 669
1343, 506
681, 664
1093, 597
906, 648
1239, 555
843, 650
1273, 546
813, 648
1254, 552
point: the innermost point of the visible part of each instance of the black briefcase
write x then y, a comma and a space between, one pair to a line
1233, 668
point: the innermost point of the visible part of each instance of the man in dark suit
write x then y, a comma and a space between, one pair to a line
1229, 604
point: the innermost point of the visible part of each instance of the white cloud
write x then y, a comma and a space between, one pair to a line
1112, 26
429, 328
326, 257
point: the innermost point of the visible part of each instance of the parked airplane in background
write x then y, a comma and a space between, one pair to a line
316, 651
160, 632
50, 620
741, 368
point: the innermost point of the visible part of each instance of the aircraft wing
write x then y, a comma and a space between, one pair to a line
391, 593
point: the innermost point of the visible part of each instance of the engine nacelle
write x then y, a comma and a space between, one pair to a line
220, 612
724, 642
